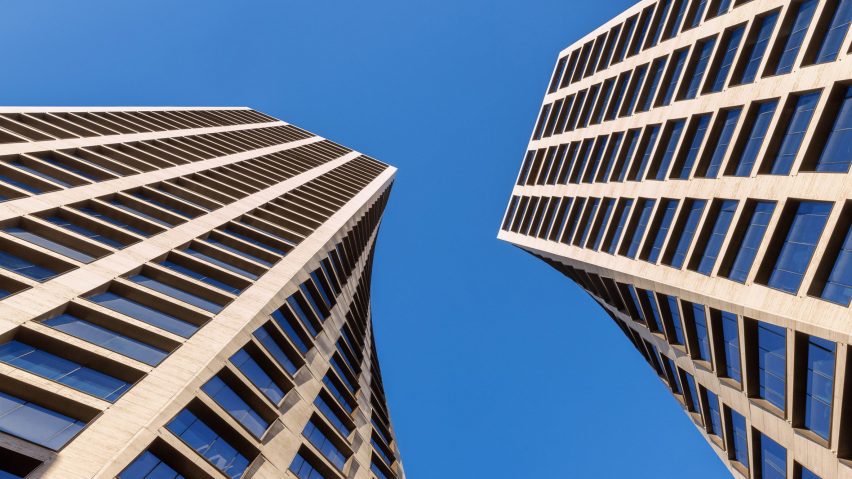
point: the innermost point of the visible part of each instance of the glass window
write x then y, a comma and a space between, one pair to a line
804, 13
651, 133
199, 276
20, 184
799, 245
714, 425
275, 350
118, 204
206, 442
634, 93
693, 141
666, 160
622, 219
606, 212
671, 307
758, 128
699, 317
692, 392
236, 406
806, 474
677, 388
705, 49
721, 223
238, 252
584, 232
797, 124
351, 386
144, 313
678, 60
772, 363
255, 373
668, 208
730, 47
25, 267
335, 391
222, 264
649, 301
69, 373
542, 117
663, 8
836, 33
84, 231
773, 459
304, 469
258, 243
36, 424
41, 174
653, 83
307, 321
629, 148
731, 342
107, 339
696, 208
176, 293
332, 416
838, 287
751, 240
819, 389
698, 13
148, 466
49, 244
729, 119
722, 8
318, 438
642, 30
374, 468
678, 18
634, 237
740, 438
113, 221
557, 75
835, 156
767, 25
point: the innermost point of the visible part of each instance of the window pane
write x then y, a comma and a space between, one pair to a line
715, 423
731, 340
836, 155
199, 436
702, 337
255, 373
795, 133
696, 208
704, 52
819, 389
176, 293
773, 459
740, 438
324, 444
678, 59
63, 371
748, 156
668, 154
750, 243
49, 244
84, 231
767, 24
25, 267
802, 20
332, 416
838, 287
651, 133
148, 466
653, 82
144, 313
730, 118
635, 237
836, 33
720, 229
36, 424
199, 276
795, 256
772, 363
669, 208
730, 48
107, 339
622, 219
236, 406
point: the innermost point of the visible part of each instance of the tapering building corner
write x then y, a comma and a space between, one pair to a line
185, 292
689, 169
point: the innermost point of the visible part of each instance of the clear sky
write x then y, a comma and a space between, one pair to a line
495, 365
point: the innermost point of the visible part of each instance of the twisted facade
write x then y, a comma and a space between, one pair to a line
690, 170
185, 292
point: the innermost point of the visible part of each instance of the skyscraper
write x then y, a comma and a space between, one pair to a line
185, 292
689, 169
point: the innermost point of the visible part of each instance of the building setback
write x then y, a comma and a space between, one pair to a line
689, 169
185, 292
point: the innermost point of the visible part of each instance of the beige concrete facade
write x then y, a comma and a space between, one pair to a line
580, 157
211, 261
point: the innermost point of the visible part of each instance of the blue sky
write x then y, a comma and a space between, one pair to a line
495, 365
